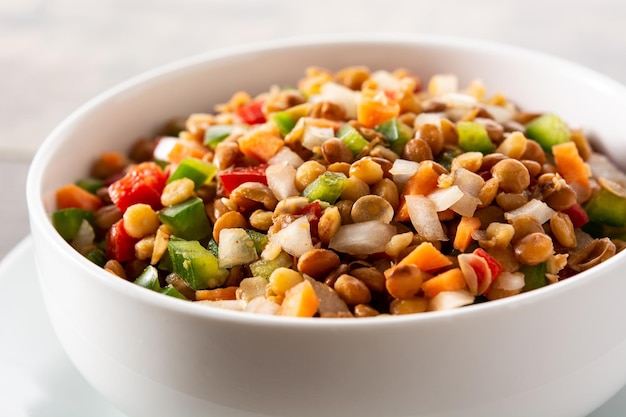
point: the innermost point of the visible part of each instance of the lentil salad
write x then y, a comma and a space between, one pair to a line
358, 193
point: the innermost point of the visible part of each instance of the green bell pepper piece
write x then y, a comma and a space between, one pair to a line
149, 278
264, 268
200, 172
213, 247
535, 276
216, 134
187, 220
196, 265
606, 208
172, 292
327, 187
97, 256
287, 119
90, 184
548, 130
473, 137
397, 134
352, 138
259, 239
67, 221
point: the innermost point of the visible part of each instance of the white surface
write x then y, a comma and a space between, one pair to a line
549, 357
37, 378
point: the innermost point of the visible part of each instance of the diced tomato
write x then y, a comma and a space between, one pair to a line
577, 215
313, 212
492, 263
119, 244
251, 113
144, 183
234, 177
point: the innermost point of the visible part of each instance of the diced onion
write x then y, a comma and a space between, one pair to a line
84, 237
473, 266
402, 170
539, 210
423, 214
509, 281
235, 248
341, 95
444, 198
285, 154
281, 180
443, 84
163, 148
386, 80
261, 305
362, 238
458, 100
500, 114
469, 182
295, 239
236, 305
314, 136
428, 119
448, 300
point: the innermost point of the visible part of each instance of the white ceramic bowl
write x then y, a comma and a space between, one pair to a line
557, 351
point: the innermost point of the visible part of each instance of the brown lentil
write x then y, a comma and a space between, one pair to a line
352, 290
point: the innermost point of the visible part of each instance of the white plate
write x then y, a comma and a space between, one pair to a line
36, 377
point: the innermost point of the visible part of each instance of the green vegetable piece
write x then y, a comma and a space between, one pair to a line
187, 220
352, 138
149, 278
196, 265
259, 239
548, 130
200, 172
473, 137
213, 135
97, 256
213, 247
606, 208
287, 119
327, 187
172, 292
446, 158
67, 221
397, 134
535, 276
264, 268
90, 184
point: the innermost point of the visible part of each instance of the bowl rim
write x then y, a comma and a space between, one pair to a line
39, 217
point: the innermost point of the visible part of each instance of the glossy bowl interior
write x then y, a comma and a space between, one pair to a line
557, 351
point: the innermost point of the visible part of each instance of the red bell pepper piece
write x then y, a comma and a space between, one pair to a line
577, 215
234, 177
313, 212
144, 183
251, 113
119, 244
492, 263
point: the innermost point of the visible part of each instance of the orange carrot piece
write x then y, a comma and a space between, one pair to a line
72, 196
451, 280
186, 149
375, 108
423, 182
426, 257
260, 145
570, 164
217, 294
464, 231
300, 301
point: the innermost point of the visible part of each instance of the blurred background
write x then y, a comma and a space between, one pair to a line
57, 54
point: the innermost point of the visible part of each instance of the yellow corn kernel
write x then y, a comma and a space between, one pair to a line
177, 191
140, 220
282, 279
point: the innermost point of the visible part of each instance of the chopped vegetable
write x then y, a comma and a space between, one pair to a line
149, 278
119, 244
426, 257
67, 221
200, 172
607, 208
234, 177
251, 113
216, 134
142, 184
300, 301
327, 187
73, 196
548, 130
450, 280
287, 119
235, 248
473, 137
187, 220
196, 265
396, 132
352, 138
260, 145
